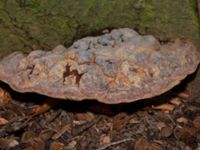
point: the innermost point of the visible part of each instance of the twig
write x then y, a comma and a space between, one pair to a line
115, 143
82, 128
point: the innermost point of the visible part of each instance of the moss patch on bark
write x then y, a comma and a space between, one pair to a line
33, 24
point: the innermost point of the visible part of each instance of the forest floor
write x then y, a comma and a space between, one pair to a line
35, 122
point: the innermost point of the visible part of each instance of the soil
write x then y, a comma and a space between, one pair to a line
34, 122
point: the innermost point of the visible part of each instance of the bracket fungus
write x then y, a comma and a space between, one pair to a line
120, 66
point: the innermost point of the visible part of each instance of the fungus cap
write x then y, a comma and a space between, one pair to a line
120, 66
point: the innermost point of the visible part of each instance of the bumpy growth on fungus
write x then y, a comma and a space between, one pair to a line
120, 66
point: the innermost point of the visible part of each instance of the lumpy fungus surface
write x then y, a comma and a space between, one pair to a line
120, 66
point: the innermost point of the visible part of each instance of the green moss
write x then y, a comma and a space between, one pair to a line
36, 24
147, 15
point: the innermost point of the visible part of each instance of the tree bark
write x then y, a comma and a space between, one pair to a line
33, 24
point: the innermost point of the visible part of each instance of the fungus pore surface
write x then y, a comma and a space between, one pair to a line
120, 66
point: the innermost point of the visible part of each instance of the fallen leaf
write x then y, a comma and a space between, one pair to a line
184, 95
185, 133
37, 143
154, 146
105, 139
8, 143
3, 143
120, 121
71, 145
182, 120
167, 107
141, 144
3, 121
27, 136
57, 146
48, 104
176, 101
134, 121
166, 131
161, 125
46, 134
5, 97
196, 122
13, 143
81, 118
